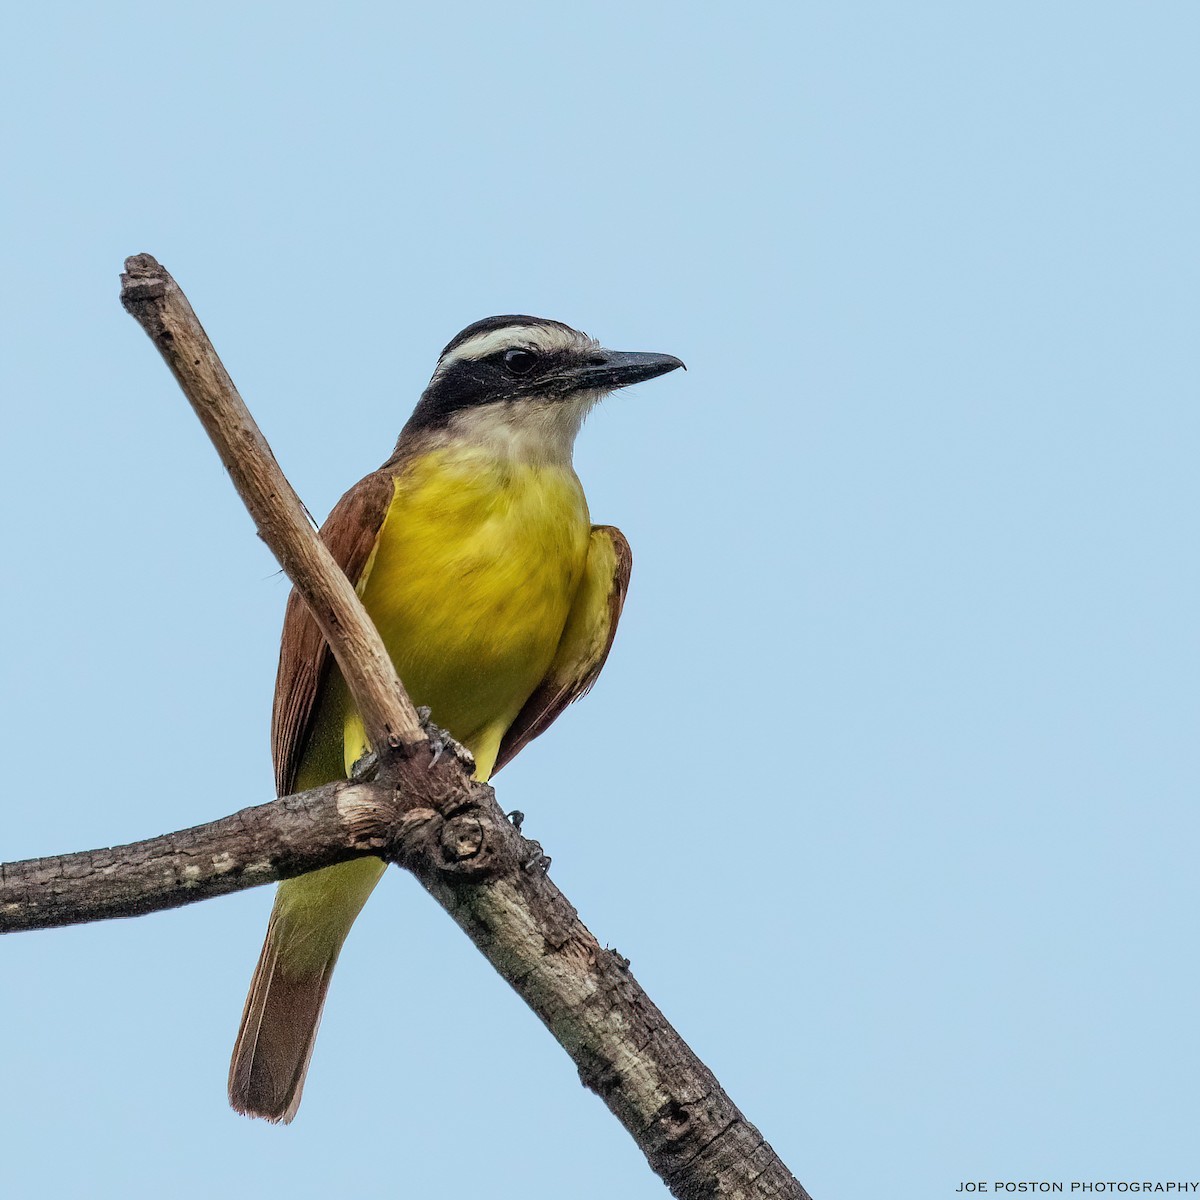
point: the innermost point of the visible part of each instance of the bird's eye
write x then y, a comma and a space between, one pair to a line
520, 362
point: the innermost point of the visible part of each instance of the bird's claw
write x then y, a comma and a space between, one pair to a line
537, 860
440, 741
365, 768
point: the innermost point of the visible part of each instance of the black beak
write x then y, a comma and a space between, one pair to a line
607, 370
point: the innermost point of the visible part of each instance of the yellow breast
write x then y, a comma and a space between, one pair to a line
470, 584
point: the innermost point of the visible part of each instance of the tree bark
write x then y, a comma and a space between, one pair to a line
420, 809
257, 845
159, 306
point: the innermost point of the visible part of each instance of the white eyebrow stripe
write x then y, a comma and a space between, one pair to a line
540, 337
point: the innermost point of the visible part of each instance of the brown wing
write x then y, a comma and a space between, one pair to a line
304, 659
586, 640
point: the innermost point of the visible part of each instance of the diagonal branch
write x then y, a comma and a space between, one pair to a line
420, 811
156, 302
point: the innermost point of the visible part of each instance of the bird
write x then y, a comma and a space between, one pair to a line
473, 552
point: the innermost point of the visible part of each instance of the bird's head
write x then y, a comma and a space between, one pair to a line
525, 384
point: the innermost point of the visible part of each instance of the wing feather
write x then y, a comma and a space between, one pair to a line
586, 641
350, 532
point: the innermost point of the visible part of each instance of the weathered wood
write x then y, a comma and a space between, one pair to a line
693, 1135
431, 815
424, 813
257, 845
156, 302
450, 832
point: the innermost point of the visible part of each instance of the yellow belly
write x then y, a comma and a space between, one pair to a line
470, 585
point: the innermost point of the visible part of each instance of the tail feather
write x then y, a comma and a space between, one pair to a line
279, 1029
309, 923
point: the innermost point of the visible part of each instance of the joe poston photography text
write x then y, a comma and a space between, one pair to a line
1106, 1187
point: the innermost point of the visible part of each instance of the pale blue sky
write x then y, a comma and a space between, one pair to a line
904, 837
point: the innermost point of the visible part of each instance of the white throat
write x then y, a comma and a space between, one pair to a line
528, 431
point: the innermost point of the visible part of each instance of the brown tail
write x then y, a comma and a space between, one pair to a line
279, 1027
309, 922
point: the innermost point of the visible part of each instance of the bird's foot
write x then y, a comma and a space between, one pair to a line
440, 742
365, 768
537, 861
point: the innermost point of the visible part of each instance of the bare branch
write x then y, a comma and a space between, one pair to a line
445, 823
156, 302
452, 835
422, 813
257, 845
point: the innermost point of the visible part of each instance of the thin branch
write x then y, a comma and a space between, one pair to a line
156, 302
257, 845
448, 825
425, 814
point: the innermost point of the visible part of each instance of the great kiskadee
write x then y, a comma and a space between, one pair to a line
473, 552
